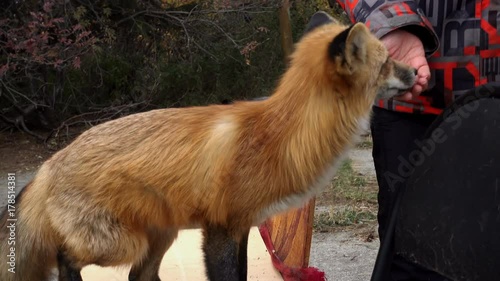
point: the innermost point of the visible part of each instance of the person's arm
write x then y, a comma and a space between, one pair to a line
391, 15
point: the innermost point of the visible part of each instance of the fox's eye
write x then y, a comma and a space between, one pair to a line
386, 64
385, 68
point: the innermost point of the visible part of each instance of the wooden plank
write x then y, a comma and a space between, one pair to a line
291, 234
184, 261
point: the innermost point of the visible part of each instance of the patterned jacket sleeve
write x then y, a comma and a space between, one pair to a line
383, 16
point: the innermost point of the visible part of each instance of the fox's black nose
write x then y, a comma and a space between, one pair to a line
415, 71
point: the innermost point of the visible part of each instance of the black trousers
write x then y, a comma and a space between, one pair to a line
395, 135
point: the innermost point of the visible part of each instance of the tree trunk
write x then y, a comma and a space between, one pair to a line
286, 30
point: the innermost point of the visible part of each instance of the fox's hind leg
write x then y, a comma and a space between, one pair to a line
147, 269
225, 256
92, 234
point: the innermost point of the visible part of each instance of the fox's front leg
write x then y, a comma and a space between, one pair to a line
225, 255
242, 257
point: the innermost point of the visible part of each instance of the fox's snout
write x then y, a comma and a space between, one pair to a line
408, 76
401, 79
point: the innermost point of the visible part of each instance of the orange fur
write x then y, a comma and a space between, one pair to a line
230, 166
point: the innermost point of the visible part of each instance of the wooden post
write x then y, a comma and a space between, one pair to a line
291, 234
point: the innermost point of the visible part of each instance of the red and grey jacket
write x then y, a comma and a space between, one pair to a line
460, 38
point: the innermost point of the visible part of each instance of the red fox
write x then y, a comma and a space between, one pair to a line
121, 191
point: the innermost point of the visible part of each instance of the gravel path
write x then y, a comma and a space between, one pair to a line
362, 162
343, 256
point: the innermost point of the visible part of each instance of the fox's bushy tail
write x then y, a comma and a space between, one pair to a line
27, 244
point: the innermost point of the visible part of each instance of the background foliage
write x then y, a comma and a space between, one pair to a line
71, 62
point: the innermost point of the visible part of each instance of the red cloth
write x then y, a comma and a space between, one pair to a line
289, 273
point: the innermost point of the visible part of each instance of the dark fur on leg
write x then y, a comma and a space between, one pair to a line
67, 272
221, 254
242, 257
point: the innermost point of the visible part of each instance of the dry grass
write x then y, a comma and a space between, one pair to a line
350, 200
366, 143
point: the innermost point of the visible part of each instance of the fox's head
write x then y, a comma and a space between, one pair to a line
350, 59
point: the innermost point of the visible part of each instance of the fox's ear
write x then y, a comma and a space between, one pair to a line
350, 46
318, 19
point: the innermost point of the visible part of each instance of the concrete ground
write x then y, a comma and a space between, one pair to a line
342, 255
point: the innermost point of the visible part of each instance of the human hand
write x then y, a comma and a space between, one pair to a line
408, 48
